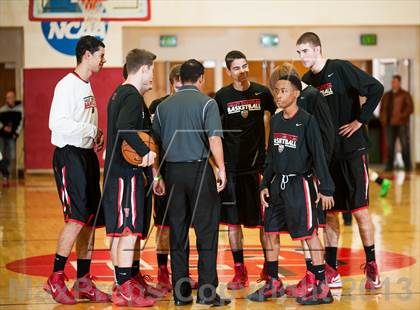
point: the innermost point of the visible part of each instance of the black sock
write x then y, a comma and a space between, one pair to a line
319, 271
115, 273
379, 180
162, 259
331, 256
370, 253
83, 267
308, 262
59, 263
123, 275
135, 270
238, 256
273, 269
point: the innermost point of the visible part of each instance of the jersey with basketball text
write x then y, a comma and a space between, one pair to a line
342, 84
73, 114
126, 112
313, 102
295, 148
242, 114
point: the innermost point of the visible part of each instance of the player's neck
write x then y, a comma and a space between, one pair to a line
241, 85
290, 111
83, 72
133, 81
319, 65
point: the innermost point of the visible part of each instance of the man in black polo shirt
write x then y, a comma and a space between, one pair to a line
188, 126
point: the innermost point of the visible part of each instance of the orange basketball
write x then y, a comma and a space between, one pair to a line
131, 155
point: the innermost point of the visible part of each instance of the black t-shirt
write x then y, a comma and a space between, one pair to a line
295, 147
126, 111
312, 101
342, 83
242, 114
155, 103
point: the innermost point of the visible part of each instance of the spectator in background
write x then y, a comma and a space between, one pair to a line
11, 116
396, 108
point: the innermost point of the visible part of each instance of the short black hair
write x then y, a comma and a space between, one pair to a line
309, 37
294, 80
191, 70
231, 56
137, 58
125, 74
397, 77
87, 43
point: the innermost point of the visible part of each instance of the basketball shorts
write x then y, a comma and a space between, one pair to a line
351, 180
76, 173
322, 220
292, 209
241, 201
127, 204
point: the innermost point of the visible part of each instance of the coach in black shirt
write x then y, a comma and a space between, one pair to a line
188, 126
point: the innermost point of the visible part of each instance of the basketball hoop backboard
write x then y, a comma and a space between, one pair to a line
72, 10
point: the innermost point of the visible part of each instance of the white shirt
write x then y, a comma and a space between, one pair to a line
73, 114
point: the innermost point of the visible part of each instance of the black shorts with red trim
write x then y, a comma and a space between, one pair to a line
76, 173
322, 221
351, 180
240, 201
160, 213
127, 205
292, 209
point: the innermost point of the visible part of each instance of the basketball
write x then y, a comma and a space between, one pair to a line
131, 155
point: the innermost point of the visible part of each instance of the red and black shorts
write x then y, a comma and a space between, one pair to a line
241, 201
127, 205
351, 178
292, 207
76, 173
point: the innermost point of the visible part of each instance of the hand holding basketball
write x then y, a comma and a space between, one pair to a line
135, 159
148, 159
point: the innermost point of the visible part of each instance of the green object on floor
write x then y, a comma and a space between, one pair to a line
384, 187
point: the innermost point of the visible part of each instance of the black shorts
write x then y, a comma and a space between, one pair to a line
241, 201
160, 214
76, 173
351, 180
127, 205
320, 213
293, 209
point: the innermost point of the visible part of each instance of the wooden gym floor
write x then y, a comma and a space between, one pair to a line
31, 218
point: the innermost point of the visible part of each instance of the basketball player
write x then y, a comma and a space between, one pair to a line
244, 107
148, 200
312, 101
295, 152
124, 204
75, 133
342, 83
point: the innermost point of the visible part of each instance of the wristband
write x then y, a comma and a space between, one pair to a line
157, 178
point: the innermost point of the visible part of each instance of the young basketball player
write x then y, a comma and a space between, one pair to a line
245, 107
124, 204
295, 152
312, 101
342, 84
75, 133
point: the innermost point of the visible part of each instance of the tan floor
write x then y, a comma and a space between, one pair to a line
30, 220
